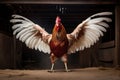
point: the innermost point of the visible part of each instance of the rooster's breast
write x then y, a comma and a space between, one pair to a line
59, 48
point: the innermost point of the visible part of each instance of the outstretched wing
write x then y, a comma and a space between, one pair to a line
33, 35
88, 32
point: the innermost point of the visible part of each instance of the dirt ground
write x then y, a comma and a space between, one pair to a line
75, 74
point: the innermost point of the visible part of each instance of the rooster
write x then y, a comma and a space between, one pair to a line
59, 44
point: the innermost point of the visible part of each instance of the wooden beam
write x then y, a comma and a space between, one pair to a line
117, 37
59, 2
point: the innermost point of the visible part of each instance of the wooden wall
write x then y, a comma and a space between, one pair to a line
6, 51
10, 52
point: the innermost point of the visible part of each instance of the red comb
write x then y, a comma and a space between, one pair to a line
58, 19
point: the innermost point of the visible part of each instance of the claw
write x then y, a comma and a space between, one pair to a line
52, 67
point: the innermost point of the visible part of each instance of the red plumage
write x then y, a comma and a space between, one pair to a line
59, 48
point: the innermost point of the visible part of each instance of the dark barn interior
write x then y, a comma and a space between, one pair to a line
15, 55
100, 62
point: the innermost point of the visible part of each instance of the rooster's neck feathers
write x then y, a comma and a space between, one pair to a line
59, 32
59, 35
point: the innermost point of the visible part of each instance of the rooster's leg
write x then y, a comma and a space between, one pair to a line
53, 59
64, 59
66, 67
52, 67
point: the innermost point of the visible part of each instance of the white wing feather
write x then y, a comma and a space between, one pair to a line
88, 32
25, 30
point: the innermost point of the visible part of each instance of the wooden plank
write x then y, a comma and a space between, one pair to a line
109, 44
